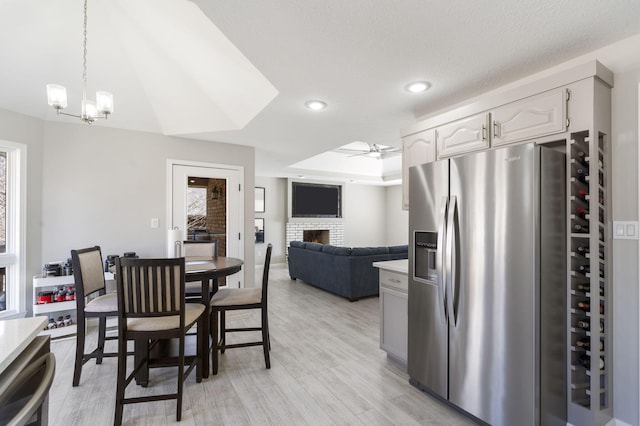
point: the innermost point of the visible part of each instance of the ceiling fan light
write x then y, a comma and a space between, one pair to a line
418, 86
375, 154
104, 102
57, 96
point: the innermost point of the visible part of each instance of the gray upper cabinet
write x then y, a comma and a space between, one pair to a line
417, 149
461, 136
535, 116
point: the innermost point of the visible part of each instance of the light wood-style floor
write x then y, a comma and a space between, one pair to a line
326, 369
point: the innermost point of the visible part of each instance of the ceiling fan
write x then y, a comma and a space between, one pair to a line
370, 150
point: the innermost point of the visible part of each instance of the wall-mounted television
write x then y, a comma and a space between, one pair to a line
315, 200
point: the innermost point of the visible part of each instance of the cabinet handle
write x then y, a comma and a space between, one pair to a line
393, 280
496, 129
484, 133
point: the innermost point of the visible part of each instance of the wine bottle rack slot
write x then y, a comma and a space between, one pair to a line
588, 270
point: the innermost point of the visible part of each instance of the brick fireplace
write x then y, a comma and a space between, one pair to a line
316, 236
323, 232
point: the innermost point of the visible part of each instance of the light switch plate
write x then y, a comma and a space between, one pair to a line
625, 230
154, 222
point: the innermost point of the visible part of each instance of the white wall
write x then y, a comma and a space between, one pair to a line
95, 185
275, 215
397, 220
364, 213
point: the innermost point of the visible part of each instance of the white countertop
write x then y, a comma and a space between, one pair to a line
401, 265
16, 335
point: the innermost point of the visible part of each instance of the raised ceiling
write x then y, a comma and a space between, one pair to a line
167, 63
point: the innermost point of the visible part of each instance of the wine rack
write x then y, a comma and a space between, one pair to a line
589, 367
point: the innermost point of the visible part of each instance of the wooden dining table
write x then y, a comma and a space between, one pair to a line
207, 271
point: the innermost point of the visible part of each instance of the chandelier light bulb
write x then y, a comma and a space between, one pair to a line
104, 102
56, 96
89, 111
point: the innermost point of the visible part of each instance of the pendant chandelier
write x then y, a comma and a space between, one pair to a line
91, 111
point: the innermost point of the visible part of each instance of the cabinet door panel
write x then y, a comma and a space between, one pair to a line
393, 324
462, 136
535, 116
416, 149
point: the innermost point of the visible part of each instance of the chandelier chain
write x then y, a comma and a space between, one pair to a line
84, 54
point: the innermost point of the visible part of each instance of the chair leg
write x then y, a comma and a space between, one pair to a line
102, 333
265, 338
200, 346
213, 330
121, 379
223, 331
180, 379
80, 334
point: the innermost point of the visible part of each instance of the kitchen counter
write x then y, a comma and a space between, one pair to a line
401, 266
16, 335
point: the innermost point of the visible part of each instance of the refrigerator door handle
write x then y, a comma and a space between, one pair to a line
450, 262
440, 257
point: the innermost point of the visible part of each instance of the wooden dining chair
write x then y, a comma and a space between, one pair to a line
151, 306
198, 250
228, 299
92, 301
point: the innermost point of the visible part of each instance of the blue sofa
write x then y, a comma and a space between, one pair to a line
345, 271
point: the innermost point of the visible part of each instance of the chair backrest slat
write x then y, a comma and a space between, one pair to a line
150, 287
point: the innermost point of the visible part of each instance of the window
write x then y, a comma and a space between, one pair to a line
12, 234
196, 209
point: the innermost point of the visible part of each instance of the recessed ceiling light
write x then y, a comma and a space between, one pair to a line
418, 86
315, 105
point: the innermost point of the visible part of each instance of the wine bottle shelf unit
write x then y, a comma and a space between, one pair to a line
57, 310
588, 271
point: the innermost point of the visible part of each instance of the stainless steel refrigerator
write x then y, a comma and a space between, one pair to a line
487, 296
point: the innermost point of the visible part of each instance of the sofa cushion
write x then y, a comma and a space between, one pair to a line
368, 251
299, 244
340, 251
399, 249
314, 246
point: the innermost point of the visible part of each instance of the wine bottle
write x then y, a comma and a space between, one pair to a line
585, 325
584, 306
586, 344
583, 178
581, 171
584, 268
582, 212
581, 228
584, 250
582, 192
584, 361
584, 287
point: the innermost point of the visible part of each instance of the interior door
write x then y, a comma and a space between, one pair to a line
233, 216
